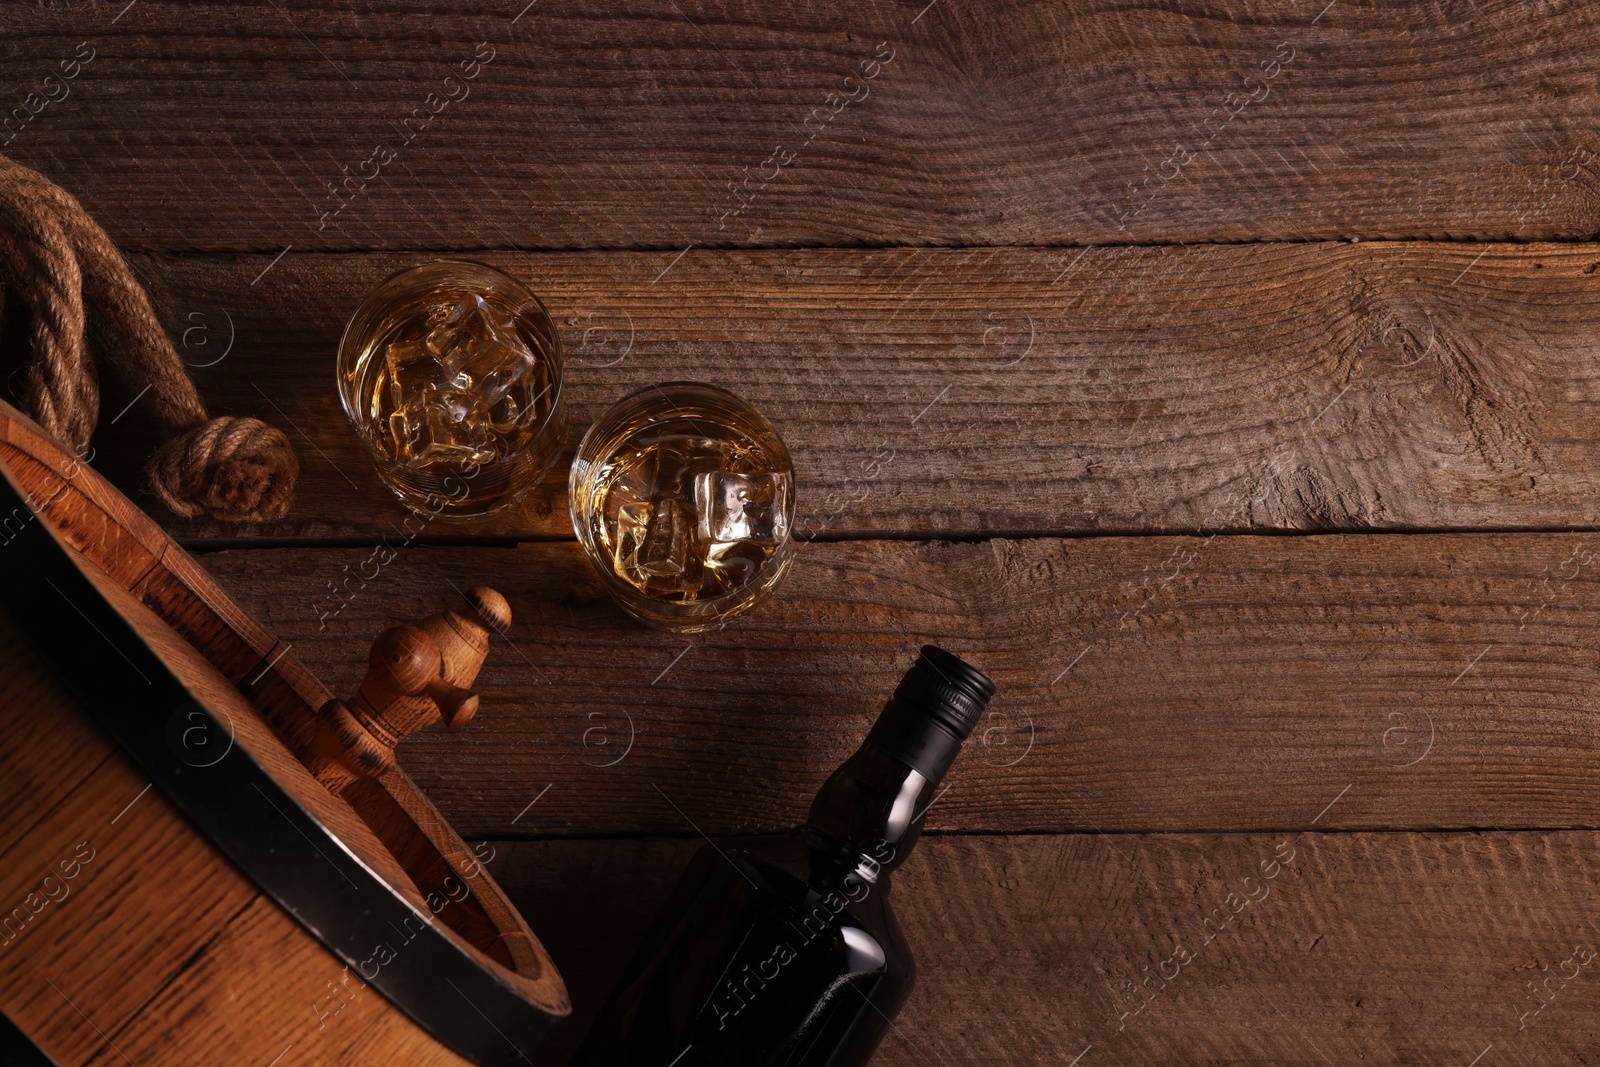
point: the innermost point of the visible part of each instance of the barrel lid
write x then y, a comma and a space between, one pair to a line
244, 803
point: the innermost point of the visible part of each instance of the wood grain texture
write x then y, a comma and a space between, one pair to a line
1061, 339
146, 897
257, 741
40, 754
124, 541
619, 124
108, 891
1229, 683
1003, 391
1363, 948
306, 1000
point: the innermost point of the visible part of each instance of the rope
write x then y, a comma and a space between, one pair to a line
69, 277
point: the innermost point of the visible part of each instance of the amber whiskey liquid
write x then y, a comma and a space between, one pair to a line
453, 377
683, 496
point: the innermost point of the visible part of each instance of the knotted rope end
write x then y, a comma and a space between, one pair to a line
236, 469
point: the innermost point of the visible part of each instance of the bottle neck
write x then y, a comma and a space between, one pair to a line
871, 809
868, 814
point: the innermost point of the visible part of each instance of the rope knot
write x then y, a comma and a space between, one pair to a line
233, 468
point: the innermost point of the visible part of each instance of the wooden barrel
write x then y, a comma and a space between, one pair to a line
175, 886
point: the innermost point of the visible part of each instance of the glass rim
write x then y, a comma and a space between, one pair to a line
660, 387
369, 299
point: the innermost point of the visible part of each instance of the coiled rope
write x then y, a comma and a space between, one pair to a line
83, 302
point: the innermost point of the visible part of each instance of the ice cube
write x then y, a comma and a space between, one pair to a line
632, 522
478, 346
504, 414
411, 369
441, 425
664, 547
626, 478
653, 547
490, 366
742, 507
400, 433
444, 328
729, 564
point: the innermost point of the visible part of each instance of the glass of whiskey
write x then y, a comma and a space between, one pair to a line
451, 373
682, 495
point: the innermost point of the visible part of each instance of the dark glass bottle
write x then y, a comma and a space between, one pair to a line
783, 951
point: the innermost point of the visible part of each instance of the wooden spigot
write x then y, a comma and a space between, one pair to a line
418, 675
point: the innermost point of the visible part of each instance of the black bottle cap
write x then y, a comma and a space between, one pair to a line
934, 709
948, 688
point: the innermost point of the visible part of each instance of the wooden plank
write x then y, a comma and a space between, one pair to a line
307, 1000
1010, 391
1371, 948
46, 757
1226, 683
618, 124
107, 898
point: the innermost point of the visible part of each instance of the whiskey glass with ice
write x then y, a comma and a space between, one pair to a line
451, 373
682, 495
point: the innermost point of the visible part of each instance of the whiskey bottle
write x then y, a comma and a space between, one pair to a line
783, 951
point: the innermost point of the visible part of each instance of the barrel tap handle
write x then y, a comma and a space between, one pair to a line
418, 676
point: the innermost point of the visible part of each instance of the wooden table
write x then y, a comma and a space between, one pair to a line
1221, 378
